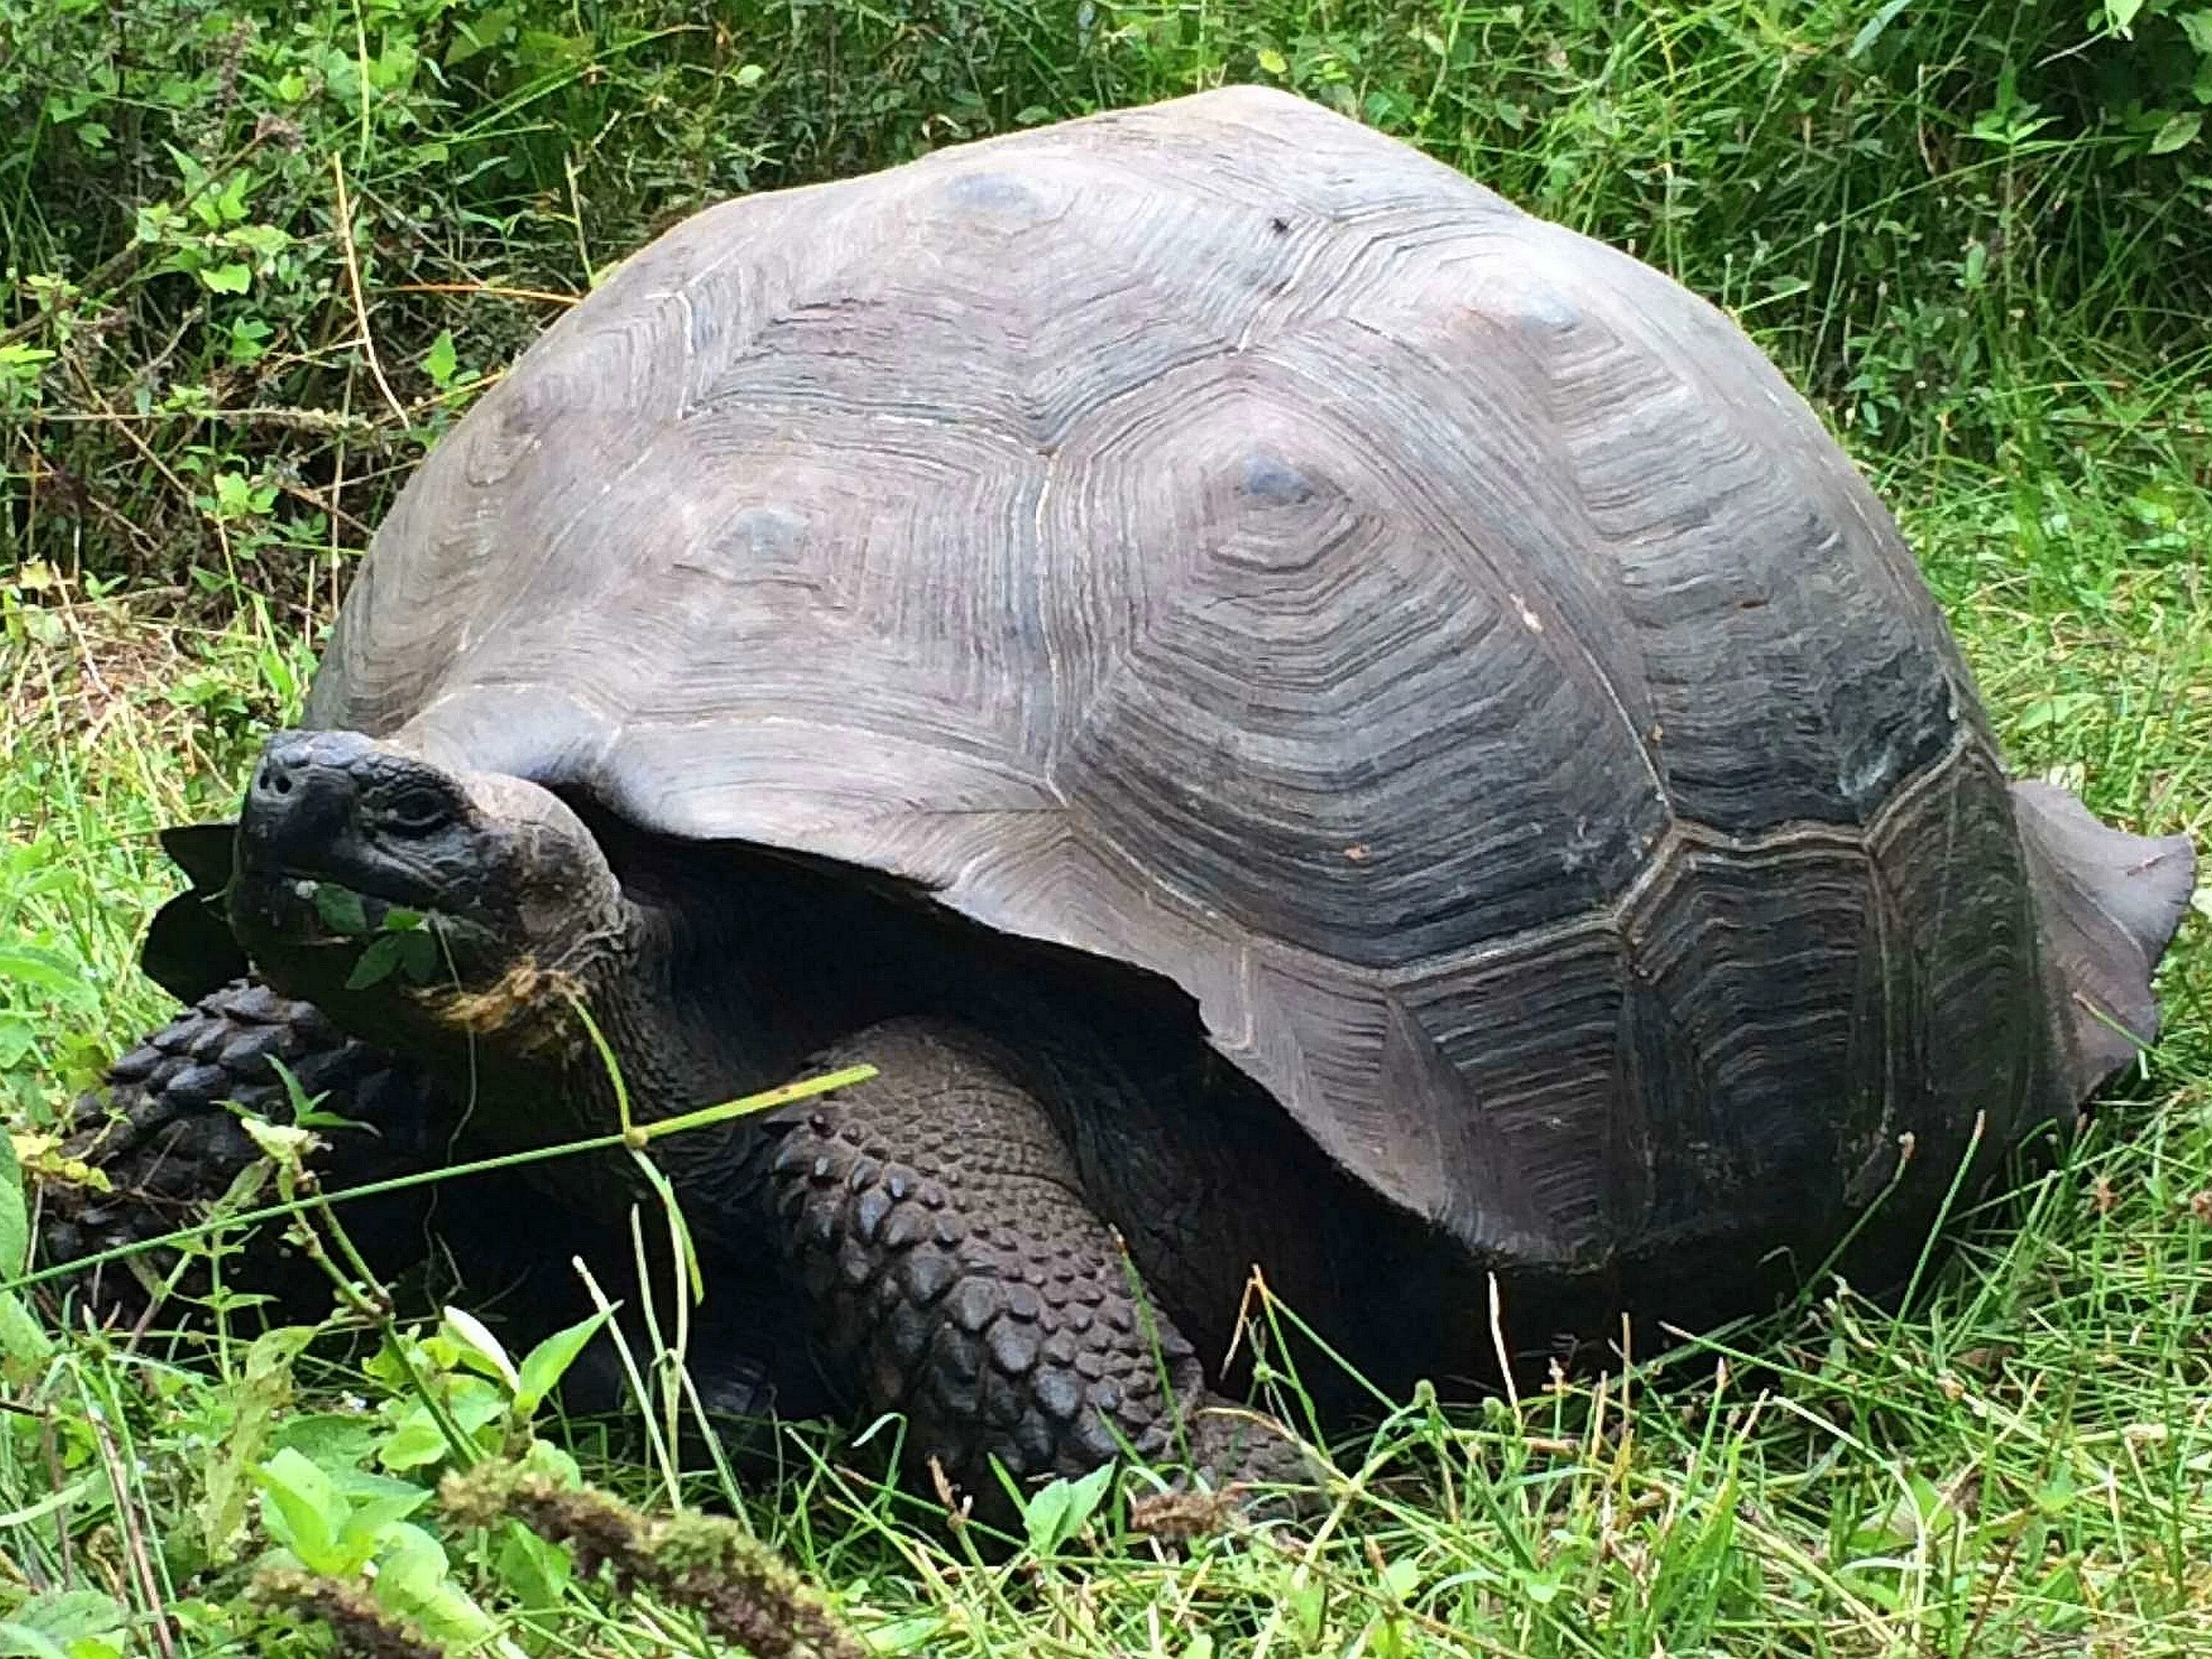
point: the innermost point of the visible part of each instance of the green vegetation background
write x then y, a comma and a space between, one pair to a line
254, 258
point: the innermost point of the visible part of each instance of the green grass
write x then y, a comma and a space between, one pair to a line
2019, 1462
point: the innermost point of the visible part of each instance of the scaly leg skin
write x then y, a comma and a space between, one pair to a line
957, 1273
161, 1131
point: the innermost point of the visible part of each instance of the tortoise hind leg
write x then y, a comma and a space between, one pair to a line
936, 1226
161, 1131
2107, 904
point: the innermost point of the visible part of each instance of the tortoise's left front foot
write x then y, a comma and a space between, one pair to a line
166, 1134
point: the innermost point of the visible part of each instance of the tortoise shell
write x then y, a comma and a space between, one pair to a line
1217, 537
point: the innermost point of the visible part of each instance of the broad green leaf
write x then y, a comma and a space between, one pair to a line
917, 1634
24, 1344
412, 1579
410, 1564
1871, 31
1057, 1512
229, 278
340, 909
474, 1401
282, 1143
416, 1443
535, 1571
1307, 1601
448, 1614
331, 1439
1090, 1492
20, 1641
21, 361
66, 1615
418, 954
1043, 1514
377, 963
545, 1365
233, 496
2179, 130
303, 1512
1541, 1586
14, 1214
373, 1523
439, 362
473, 35
556, 1463
361, 1487
24, 1340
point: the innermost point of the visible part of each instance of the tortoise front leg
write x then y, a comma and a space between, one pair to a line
957, 1273
163, 1133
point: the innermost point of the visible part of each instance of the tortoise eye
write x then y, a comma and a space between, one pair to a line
417, 813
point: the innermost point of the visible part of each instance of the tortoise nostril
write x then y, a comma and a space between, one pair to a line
274, 776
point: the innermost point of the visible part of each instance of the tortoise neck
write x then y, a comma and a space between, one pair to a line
687, 1013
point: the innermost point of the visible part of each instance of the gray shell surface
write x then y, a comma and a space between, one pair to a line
1216, 537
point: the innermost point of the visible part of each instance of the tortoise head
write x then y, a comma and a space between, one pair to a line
410, 900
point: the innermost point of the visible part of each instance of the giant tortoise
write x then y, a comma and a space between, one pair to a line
1301, 718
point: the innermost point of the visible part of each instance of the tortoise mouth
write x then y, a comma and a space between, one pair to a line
311, 908
330, 927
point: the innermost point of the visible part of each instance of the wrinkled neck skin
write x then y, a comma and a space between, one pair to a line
521, 1056
673, 1005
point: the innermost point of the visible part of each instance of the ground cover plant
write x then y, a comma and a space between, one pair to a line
254, 259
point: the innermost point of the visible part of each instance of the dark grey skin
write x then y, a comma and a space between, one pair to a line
953, 1255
